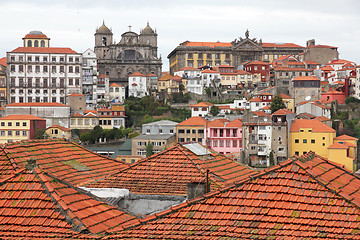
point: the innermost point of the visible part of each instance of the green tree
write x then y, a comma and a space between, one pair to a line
214, 110
149, 149
276, 104
40, 134
208, 91
181, 87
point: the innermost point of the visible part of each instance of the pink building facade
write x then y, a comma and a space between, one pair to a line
224, 136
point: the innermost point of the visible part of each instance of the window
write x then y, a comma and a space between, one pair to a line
323, 138
310, 130
296, 153
24, 133
234, 143
9, 124
9, 133
45, 69
2, 124
304, 140
199, 140
194, 131
215, 143
18, 124
312, 140
296, 140
188, 131
2, 133
17, 133
228, 143
323, 144
304, 152
281, 149
181, 131
221, 143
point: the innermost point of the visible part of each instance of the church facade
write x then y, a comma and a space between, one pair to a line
134, 53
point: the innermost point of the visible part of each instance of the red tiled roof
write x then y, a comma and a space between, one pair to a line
37, 104
3, 61
257, 63
209, 71
225, 66
165, 77
176, 78
189, 69
256, 99
261, 114
60, 127
280, 45
64, 160
76, 95
34, 203
208, 44
235, 123
284, 96
42, 50
193, 121
217, 123
322, 118
115, 85
327, 68
308, 62
284, 68
316, 125
337, 146
302, 198
168, 172
283, 111
305, 78
21, 117
77, 115
36, 36
339, 61
345, 137
103, 76
202, 104
137, 74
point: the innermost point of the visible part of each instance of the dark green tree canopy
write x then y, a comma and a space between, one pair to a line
276, 104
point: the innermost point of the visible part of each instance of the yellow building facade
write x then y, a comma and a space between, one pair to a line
310, 135
57, 131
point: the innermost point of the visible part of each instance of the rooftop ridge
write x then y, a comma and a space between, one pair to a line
308, 156
70, 217
10, 158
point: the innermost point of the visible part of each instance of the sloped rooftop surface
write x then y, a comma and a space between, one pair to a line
304, 198
64, 160
168, 172
35, 205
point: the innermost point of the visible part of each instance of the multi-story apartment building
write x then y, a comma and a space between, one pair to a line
198, 54
3, 99
40, 73
281, 124
15, 128
305, 88
282, 76
138, 85
200, 109
224, 136
160, 134
89, 78
191, 130
116, 93
310, 135
257, 132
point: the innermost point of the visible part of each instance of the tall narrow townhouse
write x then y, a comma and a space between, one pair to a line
191, 130
257, 132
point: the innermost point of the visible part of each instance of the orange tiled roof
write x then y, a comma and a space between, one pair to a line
193, 121
37, 104
345, 137
3, 61
208, 44
42, 50
115, 85
322, 118
311, 62
284, 68
256, 99
202, 104
257, 63
165, 77
305, 78
137, 74
21, 117
209, 71
283, 111
76, 94
168, 172
64, 160
235, 123
316, 125
60, 127
337, 146
176, 78
103, 76
305, 197
217, 123
36, 36
280, 45
189, 69
35, 204
284, 96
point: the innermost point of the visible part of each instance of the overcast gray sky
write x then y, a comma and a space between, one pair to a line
73, 23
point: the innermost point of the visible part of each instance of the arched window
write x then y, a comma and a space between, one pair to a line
36, 43
104, 41
42, 44
29, 43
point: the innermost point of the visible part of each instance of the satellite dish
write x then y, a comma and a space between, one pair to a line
308, 98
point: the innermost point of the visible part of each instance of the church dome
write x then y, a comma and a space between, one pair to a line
147, 30
103, 29
36, 33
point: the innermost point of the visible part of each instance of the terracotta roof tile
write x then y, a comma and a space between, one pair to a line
280, 45
76, 95
338, 146
64, 160
305, 78
34, 203
3, 61
137, 74
284, 96
314, 124
193, 121
168, 172
21, 117
43, 50
283, 111
308, 197
208, 44
345, 137
189, 69
60, 127
202, 104
37, 104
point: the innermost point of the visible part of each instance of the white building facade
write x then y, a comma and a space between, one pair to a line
89, 78
39, 73
138, 85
